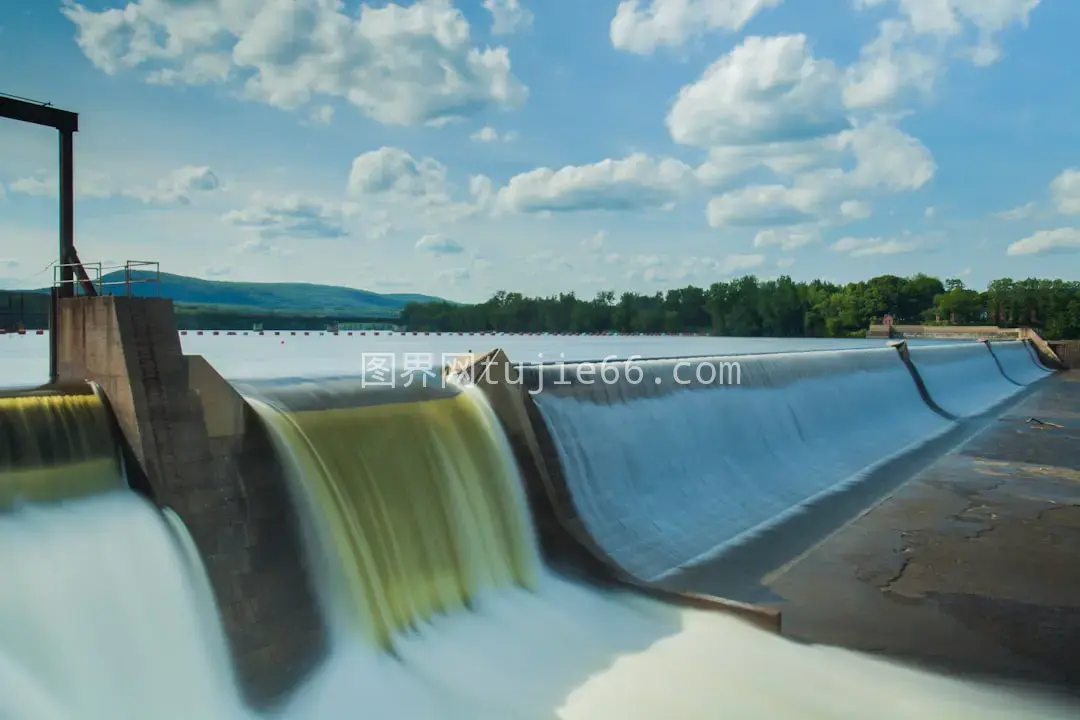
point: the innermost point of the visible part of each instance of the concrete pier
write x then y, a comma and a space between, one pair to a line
199, 449
971, 567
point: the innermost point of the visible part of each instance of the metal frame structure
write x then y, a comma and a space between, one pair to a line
66, 124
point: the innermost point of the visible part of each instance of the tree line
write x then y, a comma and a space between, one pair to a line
750, 307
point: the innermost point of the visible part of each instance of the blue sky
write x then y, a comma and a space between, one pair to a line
458, 147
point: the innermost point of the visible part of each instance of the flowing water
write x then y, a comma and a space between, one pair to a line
430, 571
413, 498
104, 615
55, 445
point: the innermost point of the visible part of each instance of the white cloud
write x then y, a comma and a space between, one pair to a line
949, 17
594, 243
260, 246
289, 216
886, 160
766, 90
323, 115
438, 245
673, 22
488, 134
453, 275
855, 210
508, 16
1017, 213
930, 211
786, 238
391, 170
862, 247
736, 263
1066, 191
911, 50
636, 182
1047, 241
888, 66
785, 262
398, 65
764, 205
178, 186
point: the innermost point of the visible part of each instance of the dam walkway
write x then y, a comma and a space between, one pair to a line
970, 567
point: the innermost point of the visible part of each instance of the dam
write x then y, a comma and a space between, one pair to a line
691, 537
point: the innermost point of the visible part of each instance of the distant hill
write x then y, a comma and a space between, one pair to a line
297, 298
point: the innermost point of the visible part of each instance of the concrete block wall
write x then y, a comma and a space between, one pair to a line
205, 455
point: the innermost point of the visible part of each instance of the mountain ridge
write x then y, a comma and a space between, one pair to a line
288, 297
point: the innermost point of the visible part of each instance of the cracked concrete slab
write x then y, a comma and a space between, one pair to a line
971, 566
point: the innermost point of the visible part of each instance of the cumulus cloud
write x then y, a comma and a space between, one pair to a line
766, 90
393, 170
855, 210
641, 27
1021, 212
951, 18
1066, 191
862, 247
1047, 241
290, 216
786, 238
634, 183
438, 245
488, 134
400, 65
508, 16
911, 50
889, 66
785, 262
885, 160
179, 186
764, 205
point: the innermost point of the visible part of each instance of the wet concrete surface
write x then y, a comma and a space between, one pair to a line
973, 566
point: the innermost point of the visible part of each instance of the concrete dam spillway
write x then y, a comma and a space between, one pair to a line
423, 527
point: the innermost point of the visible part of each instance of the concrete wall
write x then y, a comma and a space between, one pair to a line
943, 332
205, 455
1067, 351
566, 543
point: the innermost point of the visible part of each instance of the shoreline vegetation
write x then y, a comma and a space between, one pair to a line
746, 307
782, 307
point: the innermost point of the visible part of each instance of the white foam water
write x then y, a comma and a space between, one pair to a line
103, 616
570, 652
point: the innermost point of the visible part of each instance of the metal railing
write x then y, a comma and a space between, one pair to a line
136, 272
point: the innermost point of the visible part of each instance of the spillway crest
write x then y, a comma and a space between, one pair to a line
680, 459
416, 498
55, 445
